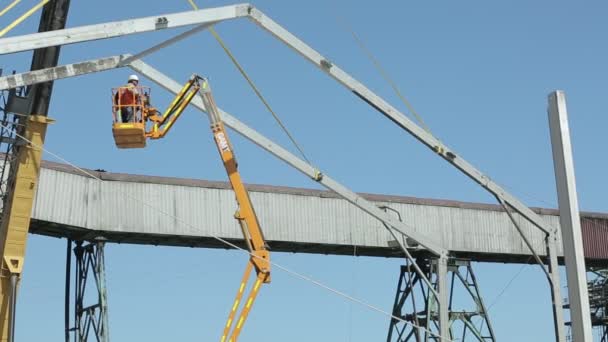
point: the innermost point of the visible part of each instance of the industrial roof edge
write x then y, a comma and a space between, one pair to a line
200, 183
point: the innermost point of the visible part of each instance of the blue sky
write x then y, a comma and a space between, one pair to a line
478, 72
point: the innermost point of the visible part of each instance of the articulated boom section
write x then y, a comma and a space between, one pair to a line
254, 238
245, 215
163, 123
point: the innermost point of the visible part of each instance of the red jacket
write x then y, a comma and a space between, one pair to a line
127, 95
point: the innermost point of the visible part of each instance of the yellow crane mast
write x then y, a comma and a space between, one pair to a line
148, 123
16, 217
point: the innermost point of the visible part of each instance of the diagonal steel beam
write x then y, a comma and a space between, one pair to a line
430, 141
166, 43
279, 152
62, 71
394, 115
211, 16
121, 28
230, 12
113, 62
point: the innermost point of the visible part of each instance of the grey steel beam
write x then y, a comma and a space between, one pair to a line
109, 30
268, 145
424, 137
63, 71
569, 218
559, 324
121, 28
523, 236
394, 115
211, 16
100, 270
166, 43
444, 311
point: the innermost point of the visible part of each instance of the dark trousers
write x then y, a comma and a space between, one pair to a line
126, 114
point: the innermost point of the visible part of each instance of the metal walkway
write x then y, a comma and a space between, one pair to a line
69, 204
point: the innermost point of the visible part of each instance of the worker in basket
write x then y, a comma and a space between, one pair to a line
128, 100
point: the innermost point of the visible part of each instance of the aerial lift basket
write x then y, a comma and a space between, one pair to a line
132, 132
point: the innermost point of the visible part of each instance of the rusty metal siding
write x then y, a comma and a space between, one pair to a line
595, 238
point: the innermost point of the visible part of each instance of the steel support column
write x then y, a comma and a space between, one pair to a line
465, 320
68, 279
121, 28
109, 30
17, 213
90, 306
598, 301
24, 172
570, 221
556, 293
442, 288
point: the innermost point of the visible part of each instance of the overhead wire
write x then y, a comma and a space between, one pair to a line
23, 17
383, 73
8, 7
228, 243
380, 69
508, 284
254, 87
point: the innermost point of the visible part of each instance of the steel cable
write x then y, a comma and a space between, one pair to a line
230, 244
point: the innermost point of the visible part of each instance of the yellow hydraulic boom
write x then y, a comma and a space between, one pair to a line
254, 238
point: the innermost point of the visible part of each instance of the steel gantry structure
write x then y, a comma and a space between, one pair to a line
23, 160
202, 19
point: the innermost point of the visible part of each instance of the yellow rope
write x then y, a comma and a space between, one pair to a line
23, 17
253, 86
385, 75
8, 8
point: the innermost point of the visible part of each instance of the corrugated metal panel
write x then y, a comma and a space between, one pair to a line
595, 238
62, 198
297, 216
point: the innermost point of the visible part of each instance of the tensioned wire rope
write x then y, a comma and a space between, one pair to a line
289, 271
385, 75
382, 71
255, 89
276, 117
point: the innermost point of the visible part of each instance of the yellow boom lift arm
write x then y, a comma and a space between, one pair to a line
245, 215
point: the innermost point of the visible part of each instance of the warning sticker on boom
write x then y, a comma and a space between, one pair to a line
222, 142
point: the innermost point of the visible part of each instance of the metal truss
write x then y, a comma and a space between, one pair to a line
90, 302
13, 102
215, 15
121, 28
598, 302
206, 17
415, 304
10, 125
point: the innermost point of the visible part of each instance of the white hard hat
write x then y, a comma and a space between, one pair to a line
133, 78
